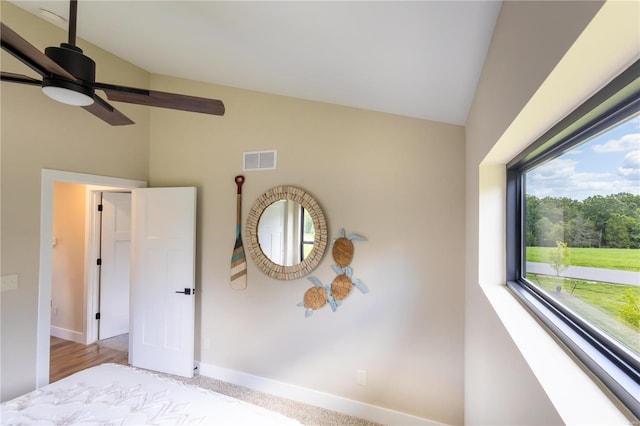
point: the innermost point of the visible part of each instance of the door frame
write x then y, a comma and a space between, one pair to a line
48, 179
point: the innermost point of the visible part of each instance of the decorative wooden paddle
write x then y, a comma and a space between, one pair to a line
238, 259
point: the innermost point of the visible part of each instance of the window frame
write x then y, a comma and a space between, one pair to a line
613, 364
303, 242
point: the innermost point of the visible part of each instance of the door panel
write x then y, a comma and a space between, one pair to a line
114, 272
162, 265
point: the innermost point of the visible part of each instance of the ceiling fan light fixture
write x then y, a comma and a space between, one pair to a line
82, 67
67, 92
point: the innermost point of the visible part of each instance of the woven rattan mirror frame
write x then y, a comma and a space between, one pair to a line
265, 264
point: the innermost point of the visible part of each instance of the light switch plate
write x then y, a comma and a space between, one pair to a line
9, 282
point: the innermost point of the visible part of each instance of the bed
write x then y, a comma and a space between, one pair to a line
119, 394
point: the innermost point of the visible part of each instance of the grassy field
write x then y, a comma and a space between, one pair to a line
606, 258
608, 299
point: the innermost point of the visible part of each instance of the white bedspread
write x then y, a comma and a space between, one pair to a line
117, 394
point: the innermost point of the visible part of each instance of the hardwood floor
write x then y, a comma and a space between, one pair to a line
70, 357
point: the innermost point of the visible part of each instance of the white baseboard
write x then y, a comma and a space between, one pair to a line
313, 397
63, 333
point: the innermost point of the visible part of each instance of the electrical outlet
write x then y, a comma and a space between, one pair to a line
362, 377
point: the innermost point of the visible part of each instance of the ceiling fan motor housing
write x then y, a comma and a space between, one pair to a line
75, 62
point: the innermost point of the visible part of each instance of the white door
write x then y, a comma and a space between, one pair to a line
114, 272
163, 280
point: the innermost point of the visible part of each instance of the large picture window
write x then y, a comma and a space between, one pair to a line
574, 233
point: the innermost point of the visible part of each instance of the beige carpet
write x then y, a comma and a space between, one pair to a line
305, 414
119, 343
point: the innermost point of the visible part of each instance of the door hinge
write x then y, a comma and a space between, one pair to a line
99, 262
98, 315
99, 207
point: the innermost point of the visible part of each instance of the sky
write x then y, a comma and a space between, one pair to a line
607, 164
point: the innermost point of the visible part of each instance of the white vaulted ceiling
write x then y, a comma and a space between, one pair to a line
420, 59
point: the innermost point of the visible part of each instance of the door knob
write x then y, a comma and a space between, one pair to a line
186, 291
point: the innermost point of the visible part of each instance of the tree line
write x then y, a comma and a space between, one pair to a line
611, 221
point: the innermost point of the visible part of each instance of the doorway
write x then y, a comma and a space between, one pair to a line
48, 179
71, 317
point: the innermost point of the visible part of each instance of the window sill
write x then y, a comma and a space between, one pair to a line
576, 396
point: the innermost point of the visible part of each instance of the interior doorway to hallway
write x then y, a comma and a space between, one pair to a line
48, 179
72, 316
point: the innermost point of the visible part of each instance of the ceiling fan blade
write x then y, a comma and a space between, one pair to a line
161, 99
104, 111
19, 78
28, 54
100, 108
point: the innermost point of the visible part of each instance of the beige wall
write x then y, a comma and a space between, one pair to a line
67, 280
395, 180
39, 133
545, 59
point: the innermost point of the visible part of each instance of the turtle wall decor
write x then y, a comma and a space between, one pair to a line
319, 295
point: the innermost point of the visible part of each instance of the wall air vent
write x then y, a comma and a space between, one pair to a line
259, 160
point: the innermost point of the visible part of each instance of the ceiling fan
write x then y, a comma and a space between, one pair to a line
68, 76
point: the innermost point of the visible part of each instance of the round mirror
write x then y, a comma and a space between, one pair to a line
287, 233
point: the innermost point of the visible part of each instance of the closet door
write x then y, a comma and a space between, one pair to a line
114, 270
